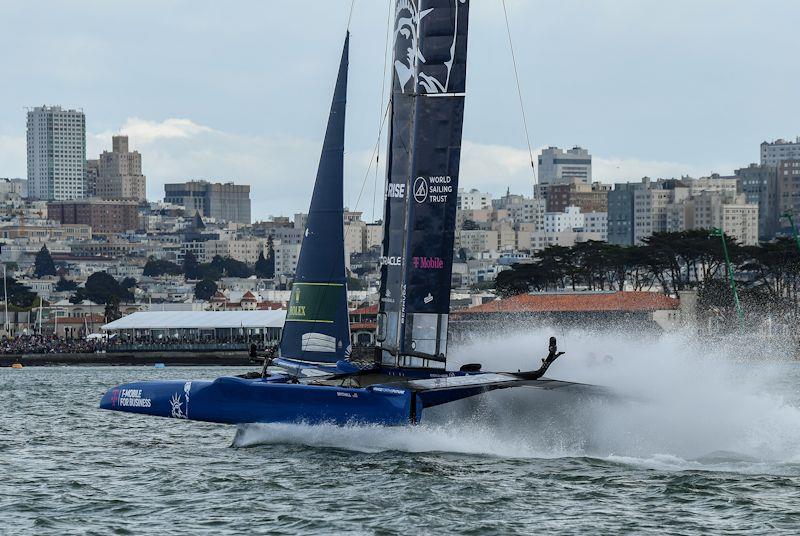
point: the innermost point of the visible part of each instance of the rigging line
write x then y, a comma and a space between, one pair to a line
536, 192
350, 16
372, 157
519, 91
380, 111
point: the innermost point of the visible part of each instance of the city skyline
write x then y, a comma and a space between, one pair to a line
648, 89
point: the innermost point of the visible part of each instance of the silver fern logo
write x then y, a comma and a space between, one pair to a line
409, 61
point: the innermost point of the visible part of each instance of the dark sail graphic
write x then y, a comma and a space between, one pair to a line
430, 53
317, 327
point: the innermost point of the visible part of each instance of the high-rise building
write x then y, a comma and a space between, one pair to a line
731, 213
773, 153
589, 197
637, 210
120, 172
759, 184
223, 202
92, 172
557, 166
56, 153
788, 194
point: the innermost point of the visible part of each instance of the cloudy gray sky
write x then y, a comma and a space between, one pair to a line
239, 90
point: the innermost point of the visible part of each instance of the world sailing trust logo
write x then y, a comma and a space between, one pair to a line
433, 189
409, 61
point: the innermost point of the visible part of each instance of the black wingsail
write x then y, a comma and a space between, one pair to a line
427, 112
317, 328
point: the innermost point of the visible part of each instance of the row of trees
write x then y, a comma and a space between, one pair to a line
218, 267
669, 261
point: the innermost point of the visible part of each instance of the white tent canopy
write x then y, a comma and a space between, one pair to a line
198, 320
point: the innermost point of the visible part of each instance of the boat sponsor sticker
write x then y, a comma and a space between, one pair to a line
435, 189
129, 398
420, 189
427, 263
391, 261
389, 390
396, 190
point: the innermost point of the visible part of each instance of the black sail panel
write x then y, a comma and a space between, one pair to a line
424, 153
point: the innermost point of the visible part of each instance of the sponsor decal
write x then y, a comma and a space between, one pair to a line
427, 263
440, 188
420, 189
433, 189
388, 298
346, 395
428, 298
403, 304
409, 63
130, 398
391, 261
396, 190
389, 390
176, 403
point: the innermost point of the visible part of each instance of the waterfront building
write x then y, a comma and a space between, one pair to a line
56, 140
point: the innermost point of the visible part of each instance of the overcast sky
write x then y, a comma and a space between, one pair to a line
240, 90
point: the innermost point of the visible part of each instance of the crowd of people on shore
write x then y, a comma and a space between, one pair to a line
48, 344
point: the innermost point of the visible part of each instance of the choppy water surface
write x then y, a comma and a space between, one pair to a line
697, 443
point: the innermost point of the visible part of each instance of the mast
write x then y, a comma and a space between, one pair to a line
427, 112
317, 328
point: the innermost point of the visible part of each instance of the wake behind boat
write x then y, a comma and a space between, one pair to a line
313, 380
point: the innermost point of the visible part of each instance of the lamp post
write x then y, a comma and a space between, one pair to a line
789, 216
720, 233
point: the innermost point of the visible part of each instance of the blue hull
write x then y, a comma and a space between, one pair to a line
232, 400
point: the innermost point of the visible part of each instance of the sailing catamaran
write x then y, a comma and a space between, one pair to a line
313, 380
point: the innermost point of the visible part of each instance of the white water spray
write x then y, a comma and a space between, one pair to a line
681, 404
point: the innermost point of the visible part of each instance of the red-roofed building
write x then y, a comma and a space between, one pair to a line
363, 323
637, 310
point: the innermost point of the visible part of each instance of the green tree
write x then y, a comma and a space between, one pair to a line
101, 287
235, 268
44, 265
112, 309
270, 272
261, 266
155, 268
191, 268
205, 289
66, 285
19, 296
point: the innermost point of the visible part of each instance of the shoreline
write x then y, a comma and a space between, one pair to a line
126, 359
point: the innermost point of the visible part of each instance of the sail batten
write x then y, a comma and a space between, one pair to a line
430, 48
317, 327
